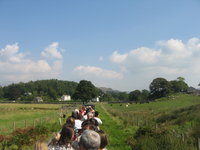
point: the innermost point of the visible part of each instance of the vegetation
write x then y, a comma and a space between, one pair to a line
168, 123
47, 89
85, 91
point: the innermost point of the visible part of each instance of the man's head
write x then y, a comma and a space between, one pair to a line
90, 140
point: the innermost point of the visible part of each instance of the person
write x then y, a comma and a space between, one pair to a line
90, 140
96, 116
39, 145
88, 116
70, 122
65, 141
104, 140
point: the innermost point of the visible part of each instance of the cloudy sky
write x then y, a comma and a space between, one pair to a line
121, 44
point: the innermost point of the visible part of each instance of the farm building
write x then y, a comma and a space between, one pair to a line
95, 99
65, 98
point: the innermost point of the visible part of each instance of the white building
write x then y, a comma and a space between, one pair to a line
65, 98
95, 99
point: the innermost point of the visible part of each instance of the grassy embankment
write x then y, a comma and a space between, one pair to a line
178, 117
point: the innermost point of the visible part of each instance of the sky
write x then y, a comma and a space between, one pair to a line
120, 44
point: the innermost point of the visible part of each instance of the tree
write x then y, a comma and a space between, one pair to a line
144, 95
106, 97
179, 85
85, 91
159, 87
135, 96
123, 96
1, 92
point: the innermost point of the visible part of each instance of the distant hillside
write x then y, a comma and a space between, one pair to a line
108, 90
50, 89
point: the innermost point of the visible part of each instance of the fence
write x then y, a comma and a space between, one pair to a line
26, 123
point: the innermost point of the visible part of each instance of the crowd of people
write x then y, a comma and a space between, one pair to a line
80, 132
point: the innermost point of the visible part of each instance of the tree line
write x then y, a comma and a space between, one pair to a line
52, 90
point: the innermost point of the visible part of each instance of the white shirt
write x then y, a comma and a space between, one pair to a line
98, 120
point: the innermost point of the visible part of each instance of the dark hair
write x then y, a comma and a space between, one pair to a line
96, 113
90, 124
104, 139
70, 122
74, 114
66, 135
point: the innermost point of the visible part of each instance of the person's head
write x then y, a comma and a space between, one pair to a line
39, 145
90, 140
96, 113
66, 135
104, 139
90, 124
74, 114
70, 122
90, 115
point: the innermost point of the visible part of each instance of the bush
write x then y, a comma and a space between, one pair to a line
147, 138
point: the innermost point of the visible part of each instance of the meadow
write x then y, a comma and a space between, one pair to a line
13, 116
170, 123
167, 123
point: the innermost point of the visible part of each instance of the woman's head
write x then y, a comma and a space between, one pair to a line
66, 135
70, 122
104, 139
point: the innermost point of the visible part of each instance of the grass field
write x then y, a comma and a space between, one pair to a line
24, 115
178, 114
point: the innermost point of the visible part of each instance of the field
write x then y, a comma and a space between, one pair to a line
171, 122
140, 125
14, 116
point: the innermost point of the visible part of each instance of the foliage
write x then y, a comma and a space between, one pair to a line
85, 91
135, 96
52, 89
27, 136
151, 139
179, 85
139, 96
106, 97
159, 87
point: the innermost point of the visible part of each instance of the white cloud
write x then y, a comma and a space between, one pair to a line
16, 66
118, 58
170, 59
52, 52
92, 71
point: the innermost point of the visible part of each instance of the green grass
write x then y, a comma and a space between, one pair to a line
116, 133
179, 115
24, 115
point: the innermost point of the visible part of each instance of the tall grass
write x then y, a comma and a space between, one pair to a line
180, 116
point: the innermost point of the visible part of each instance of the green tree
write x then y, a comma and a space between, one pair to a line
85, 91
159, 87
106, 97
135, 96
179, 85
144, 95
123, 96
1, 92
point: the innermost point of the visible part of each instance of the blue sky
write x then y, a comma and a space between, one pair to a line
122, 44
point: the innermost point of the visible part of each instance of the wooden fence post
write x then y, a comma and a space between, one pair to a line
13, 126
34, 122
25, 123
